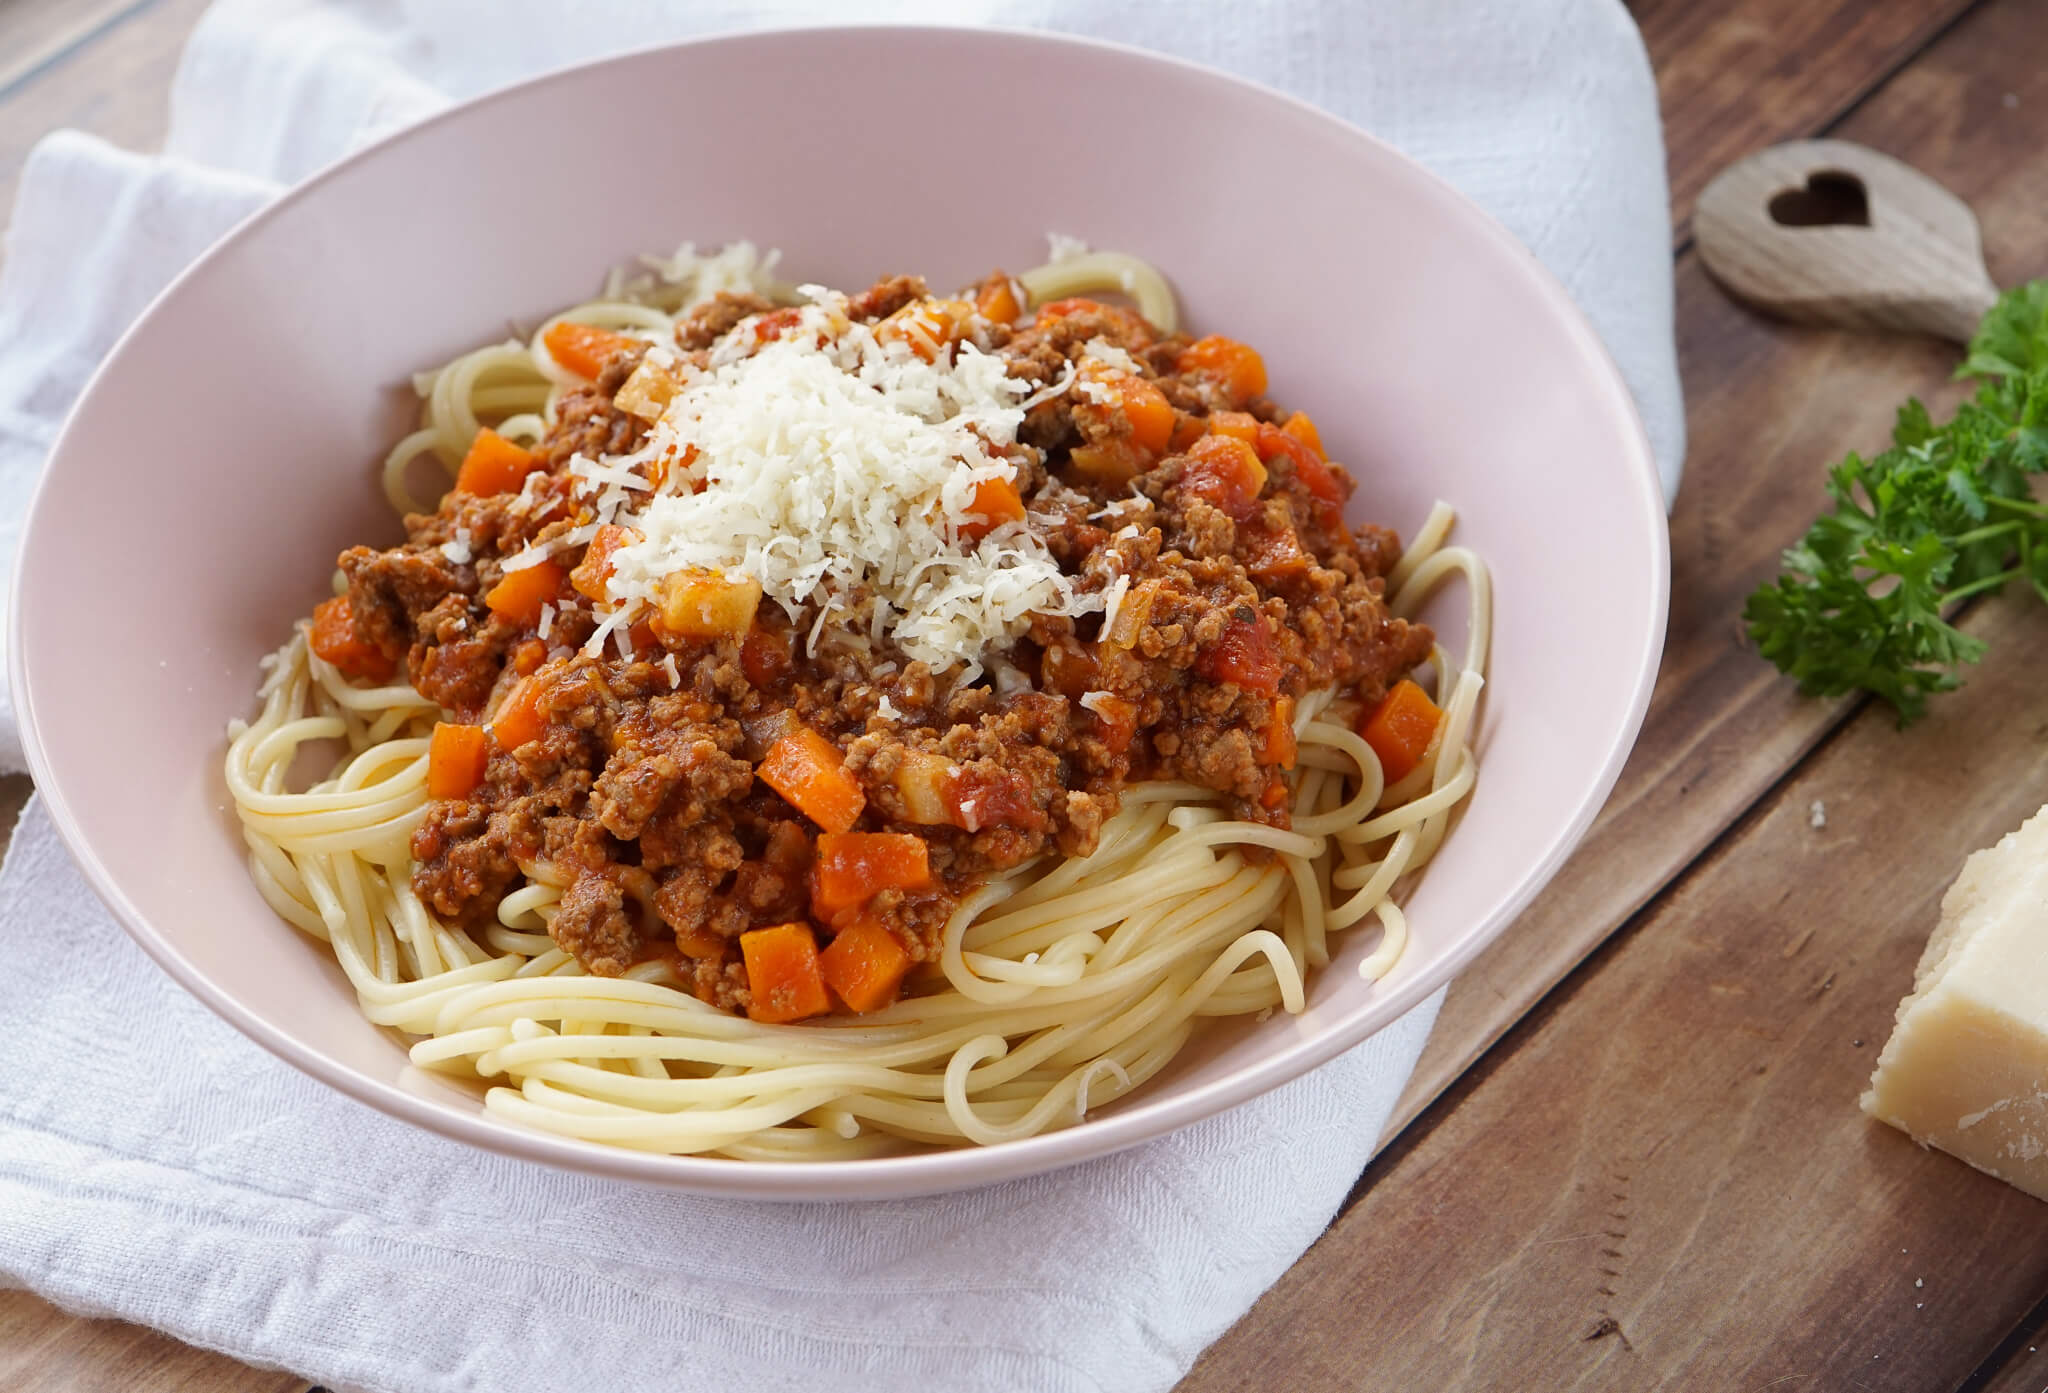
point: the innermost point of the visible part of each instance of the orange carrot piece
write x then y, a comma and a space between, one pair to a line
494, 465
584, 348
334, 640
783, 975
1303, 429
519, 596
1226, 472
1234, 366
997, 300
519, 718
1280, 746
1400, 729
865, 964
595, 568
1244, 654
810, 773
1316, 475
996, 501
853, 867
1240, 425
528, 656
455, 760
1148, 411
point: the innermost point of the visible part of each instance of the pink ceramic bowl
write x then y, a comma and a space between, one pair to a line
230, 442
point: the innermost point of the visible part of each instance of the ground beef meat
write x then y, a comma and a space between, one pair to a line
715, 318
643, 794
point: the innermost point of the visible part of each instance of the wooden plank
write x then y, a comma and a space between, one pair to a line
36, 35
43, 1350
1736, 76
1689, 1059
1665, 1182
117, 84
1769, 408
1766, 409
2023, 1367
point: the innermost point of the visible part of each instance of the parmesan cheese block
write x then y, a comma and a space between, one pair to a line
1966, 1068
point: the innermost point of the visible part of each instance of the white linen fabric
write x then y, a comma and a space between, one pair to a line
156, 1166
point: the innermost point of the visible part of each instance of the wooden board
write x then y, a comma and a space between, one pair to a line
1767, 409
1630, 1103
1737, 75
42, 1350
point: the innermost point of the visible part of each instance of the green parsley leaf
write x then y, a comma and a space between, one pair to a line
1946, 513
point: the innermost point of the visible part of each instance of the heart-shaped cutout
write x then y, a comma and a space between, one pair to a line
1831, 198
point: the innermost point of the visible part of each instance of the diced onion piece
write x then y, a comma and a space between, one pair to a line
707, 605
647, 393
921, 782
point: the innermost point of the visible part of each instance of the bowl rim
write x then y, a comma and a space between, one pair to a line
923, 1172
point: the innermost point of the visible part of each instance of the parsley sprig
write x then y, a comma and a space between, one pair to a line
1946, 513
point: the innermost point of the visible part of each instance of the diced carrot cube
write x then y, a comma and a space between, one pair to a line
455, 760
519, 717
518, 597
810, 773
334, 640
494, 465
996, 501
864, 963
595, 568
1400, 728
853, 867
1234, 366
584, 349
783, 975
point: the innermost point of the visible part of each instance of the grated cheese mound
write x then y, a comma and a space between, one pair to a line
837, 470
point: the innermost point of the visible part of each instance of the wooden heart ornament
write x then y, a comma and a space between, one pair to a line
1830, 232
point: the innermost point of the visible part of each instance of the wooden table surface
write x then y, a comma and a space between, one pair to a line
1632, 1157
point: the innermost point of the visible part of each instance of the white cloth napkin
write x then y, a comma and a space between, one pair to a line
156, 1166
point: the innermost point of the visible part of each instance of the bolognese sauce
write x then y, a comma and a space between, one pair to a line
787, 807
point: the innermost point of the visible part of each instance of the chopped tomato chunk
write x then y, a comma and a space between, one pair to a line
1245, 654
1224, 471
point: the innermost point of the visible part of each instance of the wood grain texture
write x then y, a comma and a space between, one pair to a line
116, 85
1663, 1182
1747, 1208
1737, 75
1836, 233
1721, 729
43, 1350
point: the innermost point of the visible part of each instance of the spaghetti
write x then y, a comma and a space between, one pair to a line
1055, 985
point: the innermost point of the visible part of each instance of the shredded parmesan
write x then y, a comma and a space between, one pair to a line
1113, 602
1109, 355
837, 471
547, 618
1061, 247
886, 709
668, 665
458, 550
